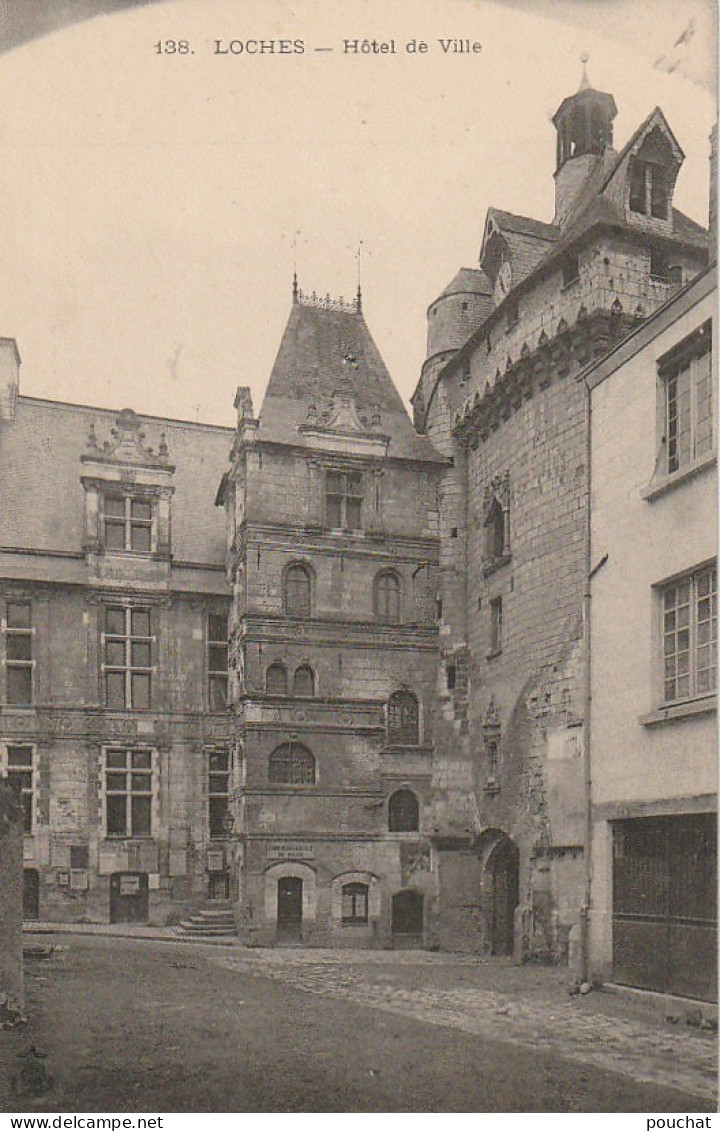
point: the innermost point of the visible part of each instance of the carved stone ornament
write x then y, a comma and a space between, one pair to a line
127, 443
497, 490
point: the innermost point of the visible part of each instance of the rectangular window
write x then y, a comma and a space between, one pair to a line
218, 791
689, 405
689, 610
496, 625
513, 313
20, 780
128, 793
127, 523
128, 653
343, 500
217, 661
19, 653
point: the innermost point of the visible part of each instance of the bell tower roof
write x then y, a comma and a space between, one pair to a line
584, 121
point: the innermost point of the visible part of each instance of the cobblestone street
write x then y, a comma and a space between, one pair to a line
531, 1008
149, 1024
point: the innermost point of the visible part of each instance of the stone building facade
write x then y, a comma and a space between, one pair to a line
349, 699
331, 504
113, 654
499, 396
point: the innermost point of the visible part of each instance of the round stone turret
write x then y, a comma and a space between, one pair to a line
458, 311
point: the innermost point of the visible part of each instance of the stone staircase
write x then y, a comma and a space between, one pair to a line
214, 920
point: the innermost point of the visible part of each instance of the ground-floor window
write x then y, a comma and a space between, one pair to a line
354, 904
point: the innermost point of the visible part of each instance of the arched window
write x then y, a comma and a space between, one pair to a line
403, 719
304, 681
355, 903
291, 764
276, 679
297, 591
403, 812
387, 597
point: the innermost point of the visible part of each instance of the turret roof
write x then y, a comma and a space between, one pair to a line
327, 350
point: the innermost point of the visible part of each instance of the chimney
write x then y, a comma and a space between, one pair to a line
9, 378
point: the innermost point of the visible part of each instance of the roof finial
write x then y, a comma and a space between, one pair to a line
584, 81
295, 290
358, 299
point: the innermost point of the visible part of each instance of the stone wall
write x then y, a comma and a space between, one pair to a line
11, 898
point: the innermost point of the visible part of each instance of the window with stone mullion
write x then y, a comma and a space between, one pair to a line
128, 793
127, 523
19, 663
128, 648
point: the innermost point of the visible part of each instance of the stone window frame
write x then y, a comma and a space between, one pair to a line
23, 635
217, 677
354, 894
110, 751
496, 523
128, 668
130, 523
346, 499
274, 669
15, 773
403, 811
289, 610
496, 626
655, 189
219, 771
380, 591
298, 772
403, 730
305, 668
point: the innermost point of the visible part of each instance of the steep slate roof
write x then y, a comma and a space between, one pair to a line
527, 239
325, 351
469, 280
42, 505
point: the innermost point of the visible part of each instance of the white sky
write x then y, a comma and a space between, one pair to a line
149, 203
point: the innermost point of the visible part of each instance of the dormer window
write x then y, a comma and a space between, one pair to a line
649, 190
127, 523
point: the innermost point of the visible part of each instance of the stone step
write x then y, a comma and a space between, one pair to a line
199, 922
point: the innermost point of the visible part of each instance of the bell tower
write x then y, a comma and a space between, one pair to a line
584, 124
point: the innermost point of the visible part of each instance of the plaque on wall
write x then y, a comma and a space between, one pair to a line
290, 850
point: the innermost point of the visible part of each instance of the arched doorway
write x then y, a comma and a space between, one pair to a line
501, 891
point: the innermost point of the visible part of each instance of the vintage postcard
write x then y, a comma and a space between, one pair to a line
358, 597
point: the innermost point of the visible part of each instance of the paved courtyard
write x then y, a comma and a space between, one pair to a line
157, 1025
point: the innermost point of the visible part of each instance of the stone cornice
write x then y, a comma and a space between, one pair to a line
571, 348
